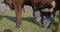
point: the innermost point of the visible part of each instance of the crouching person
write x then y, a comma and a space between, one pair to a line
44, 15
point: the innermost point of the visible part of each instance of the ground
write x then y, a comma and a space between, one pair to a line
8, 22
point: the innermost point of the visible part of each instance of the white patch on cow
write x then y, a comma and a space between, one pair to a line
53, 4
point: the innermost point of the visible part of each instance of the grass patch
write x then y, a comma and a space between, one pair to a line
8, 22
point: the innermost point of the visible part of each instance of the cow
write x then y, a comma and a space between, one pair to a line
40, 4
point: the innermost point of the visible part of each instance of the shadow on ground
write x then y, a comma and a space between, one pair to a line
7, 30
30, 19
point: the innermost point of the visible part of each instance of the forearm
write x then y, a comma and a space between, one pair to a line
53, 6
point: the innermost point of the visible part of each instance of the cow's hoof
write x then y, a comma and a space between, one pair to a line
18, 26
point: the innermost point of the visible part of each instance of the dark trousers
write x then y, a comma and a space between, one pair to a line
43, 18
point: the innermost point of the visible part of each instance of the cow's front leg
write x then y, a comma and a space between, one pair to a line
18, 8
19, 16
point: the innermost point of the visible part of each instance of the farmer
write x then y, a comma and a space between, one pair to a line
44, 15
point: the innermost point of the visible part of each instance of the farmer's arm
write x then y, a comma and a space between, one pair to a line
53, 6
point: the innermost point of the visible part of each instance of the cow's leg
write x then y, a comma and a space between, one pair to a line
58, 26
18, 7
19, 17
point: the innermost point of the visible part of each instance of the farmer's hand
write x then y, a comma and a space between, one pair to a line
51, 10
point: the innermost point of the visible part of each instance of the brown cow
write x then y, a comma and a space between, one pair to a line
18, 4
